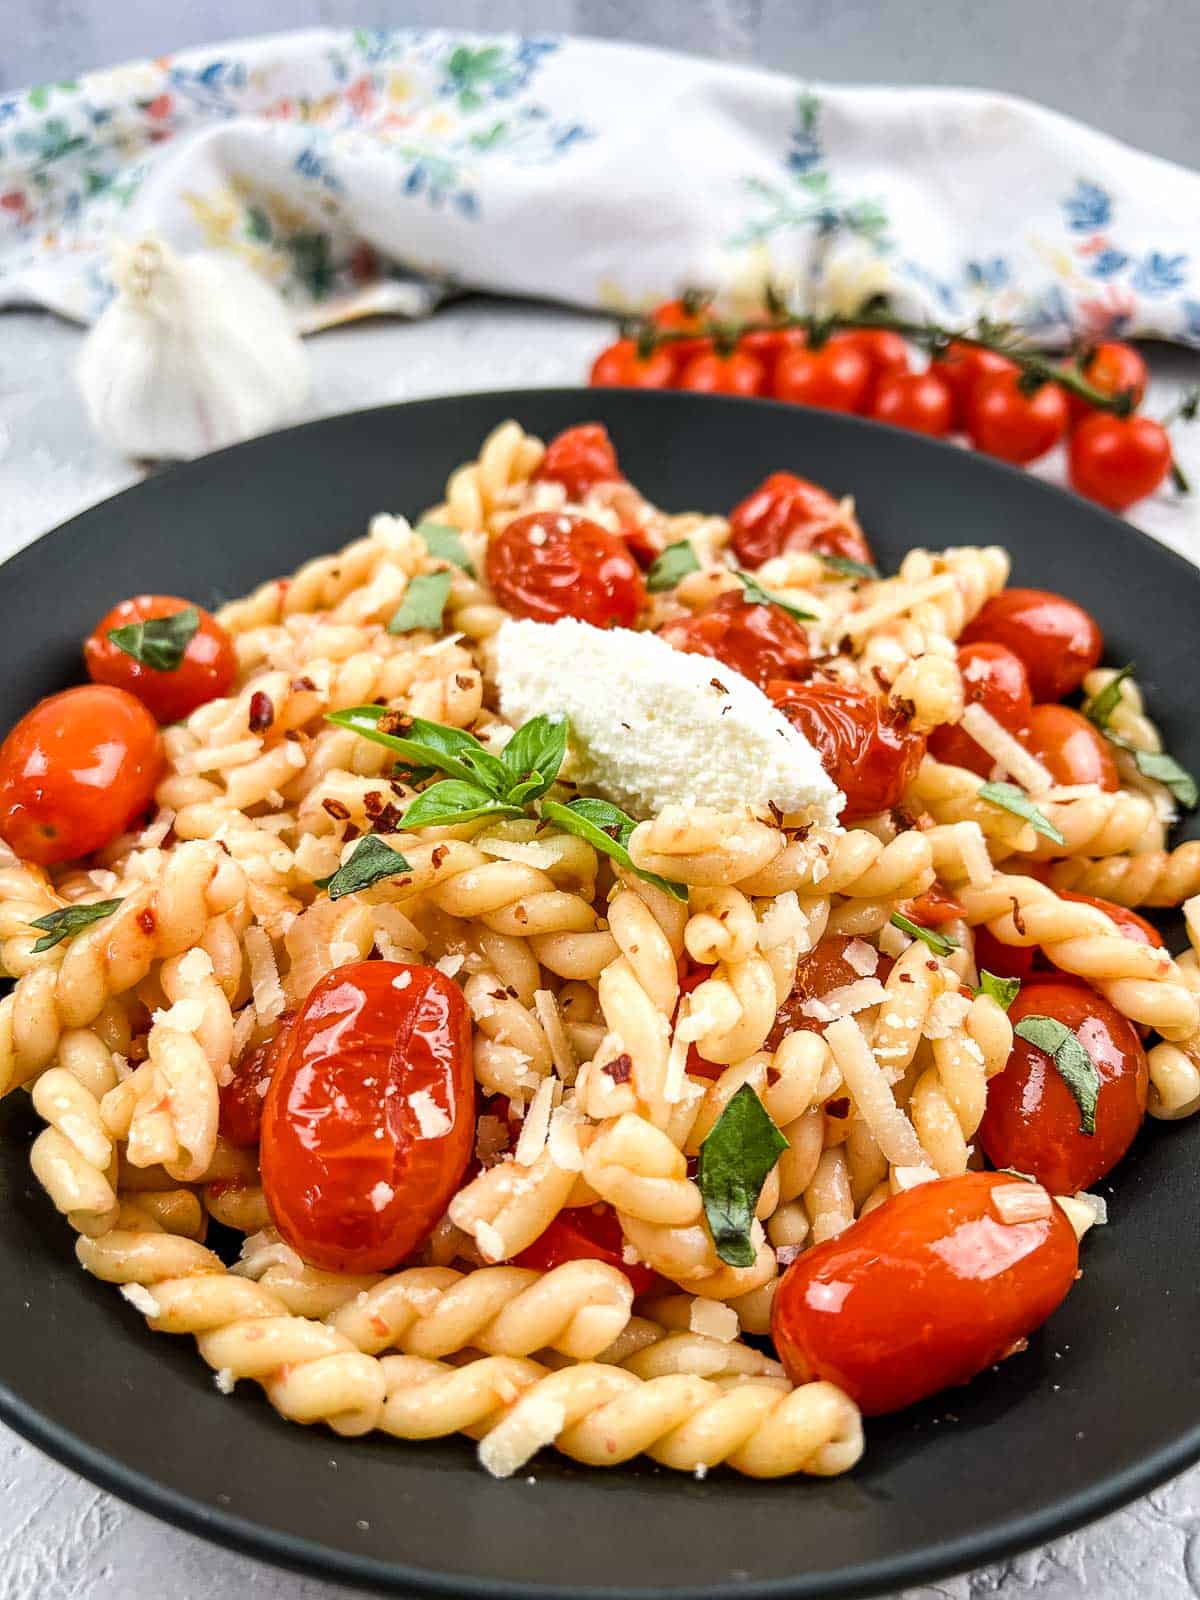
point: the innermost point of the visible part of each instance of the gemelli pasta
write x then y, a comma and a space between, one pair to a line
382, 1052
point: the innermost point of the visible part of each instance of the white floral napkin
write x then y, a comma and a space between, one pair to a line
374, 171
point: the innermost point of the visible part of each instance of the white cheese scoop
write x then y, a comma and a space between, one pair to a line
653, 726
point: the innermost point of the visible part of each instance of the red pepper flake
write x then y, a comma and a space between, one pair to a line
373, 802
262, 712
303, 685
439, 854
464, 680
395, 723
336, 810
838, 1108
388, 820
620, 1069
776, 813
520, 914
715, 683
773, 1076
349, 832
146, 920
906, 977
1018, 919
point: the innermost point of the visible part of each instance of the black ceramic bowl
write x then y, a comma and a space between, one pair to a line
1102, 1406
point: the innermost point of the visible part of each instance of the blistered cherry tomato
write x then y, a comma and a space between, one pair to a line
1022, 961
1004, 960
549, 564
770, 345
1058, 641
76, 771
207, 670
1070, 747
244, 1096
619, 366
916, 400
1117, 460
712, 373
370, 1117
835, 378
935, 906
886, 352
760, 642
1113, 368
1032, 1121
994, 678
1004, 421
923, 1292
963, 367
580, 458
869, 750
674, 316
586, 1233
790, 513
824, 969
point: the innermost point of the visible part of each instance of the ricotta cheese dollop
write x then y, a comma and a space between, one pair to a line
652, 726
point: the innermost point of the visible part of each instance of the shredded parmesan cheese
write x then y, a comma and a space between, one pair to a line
946, 1015
269, 998
843, 1002
893, 941
224, 1379
536, 1127
561, 1049
490, 1240
536, 1420
563, 1142
909, 1177
1021, 1202
381, 1195
872, 1095
195, 967
714, 1320
1083, 1211
156, 831
861, 957
141, 1299
451, 964
185, 1016
1013, 758
431, 1119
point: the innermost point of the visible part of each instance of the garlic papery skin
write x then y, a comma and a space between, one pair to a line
194, 352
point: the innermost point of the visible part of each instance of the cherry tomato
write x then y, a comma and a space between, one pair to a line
619, 366
886, 352
1130, 924
1004, 960
1113, 368
586, 1233
835, 377
994, 678
550, 564
1058, 641
916, 400
1117, 460
206, 672
712, 373
869, 750
824, 969
790, 513
1070, 747
674, 316
760, 642
923, 1292
769, 346
243, 1097
579, 458
963, 367
1022, 961
1005, 422
1032, 1119
370, 1117
935, 906
76, 771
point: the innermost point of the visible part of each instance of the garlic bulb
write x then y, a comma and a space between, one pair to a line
194, 352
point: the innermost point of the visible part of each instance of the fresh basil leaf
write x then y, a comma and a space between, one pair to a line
847, 568
676, 561
1011, 798
533, 756
606, 828
423, 603
1100, 707
756, 595
372, 861
940, 943
65, 923
1069, 1054
735, 1161
1166, 770
426, 744
1002, 990
454, 801
444, 543
159, 643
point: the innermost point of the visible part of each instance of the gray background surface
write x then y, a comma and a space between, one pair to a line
1128, 66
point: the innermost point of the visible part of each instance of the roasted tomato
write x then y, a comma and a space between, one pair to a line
550, 564
587, 1233
928, 910
923, 1292
789, 513
244, 1096
76, 771
580, 458
370, 1117
816, 974
205, 672
1070, 747
1058, 641
1032, 1121
761, 642
870, 751
994, 678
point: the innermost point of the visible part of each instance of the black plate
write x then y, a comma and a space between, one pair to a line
1103, 1405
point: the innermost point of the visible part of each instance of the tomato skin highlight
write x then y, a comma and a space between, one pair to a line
618, 366
787, 513
869, 751
351, 1181
1057, 640
994, 678
580, 458
825, 968
1032, 1120
737, 373
553, 564
587, 1233
76, 771
919, 401
760, 642
834, 378
1004, 422
1070, 747
1118, 460
924, 1292
208, 669
1114, 368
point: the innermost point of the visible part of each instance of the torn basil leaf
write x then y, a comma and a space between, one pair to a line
607, 829
159, 643
533, 756
847, 568
445, 543
65, 923
1002, 990
676, 561
1164, 769
756, 595
454, 801
1076, 1068
1100, 707
426, 744
940, 943
423, 603
1009, 797
372, 861
735, 1161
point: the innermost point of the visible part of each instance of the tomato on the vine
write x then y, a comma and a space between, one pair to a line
619, 366
869, 749
587, 1233
961, 368
886, 351
676, 316
710, 372
1058, 641
76, 771
1118, 460
837, 377
994, 678
579, 458
919, 401
770, 345
206, 671
1113, 368
1072, 749
787, 513
552, 564
370, 1117
761, 642
817, 973
1002, 420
